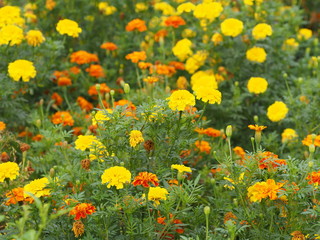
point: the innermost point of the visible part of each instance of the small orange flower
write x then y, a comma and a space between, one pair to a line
37, 137
77, 131
136, 56
239, 151
314, 178
308, 140
57, 98
162, 69
58, 74
177, 65
81, 210
144, 65
17, 195
84, 104
151, 79
144, 178
211, 132
203, 146
75, 70
82, 57
103, 89
62, 117
109, 46
174, 21
161, 34
2, 126
270, 161
228, 216
136, 24
64, 81
261, 190
257, 128
95, 70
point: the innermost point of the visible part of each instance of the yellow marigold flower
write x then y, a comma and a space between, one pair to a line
11, 34
10, 15
165, 7
35, 38
217, 38
140, 7
106, 9
257, 85
37, 187
151, 79
256, 54
101, 116
116, 176
188, 33
288, 135
157, 193
181, 168
210, 95
2, 126
135, 138
304, 34
297, 235
186, 7
69, 27
257, 128
196, 61
277, 111
182, 82
251, 2
8, 170
203, 79
231, 27
261, 31
50, 4
182, 49
290, 44
181, 99
261, 190
84, 142
208, 10
21, 69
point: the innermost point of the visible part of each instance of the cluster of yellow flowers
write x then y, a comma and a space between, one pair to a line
9, 170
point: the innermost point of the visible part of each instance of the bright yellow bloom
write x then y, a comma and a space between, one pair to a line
208, 10
69, 27
165, 7
8, 170
182, 49
21, 69
181, 168
216, 38
277, 111
181, 99
256, 54
188, 33
140, 7
34, 38
257, 85
209, 95
10, 15
101, 116
84, 142
288, 135
290, 44
135, 138
116, 176
156, 194
37, 188
250, 2
304, 34
203, 79
11, 34
261, 190
186, 7
106, 9
261, 31
196, 61
231, 27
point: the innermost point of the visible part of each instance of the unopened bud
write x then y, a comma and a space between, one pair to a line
236, 83
126, 88
313, 136
255, 118
168, 89
310, 164
41, 102
300, 79
213, 181
235, 202
112, 92
229, 131
312, 148
285, 75
38, 123
52, 172
206, 210
98, 87
121, 163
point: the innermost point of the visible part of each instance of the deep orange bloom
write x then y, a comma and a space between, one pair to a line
81, 210
257, 128
228, 216
144, 65
58, 74
103, 89
174, 222
162, 69
37, 137
174, 21
17, 195
144, 178
314, 178
77, 131
239, 151
95, 70
136, 24
75, 70
161, 34
177, 65
57, 98
109, 46
308, 140
64, 81
203, 146
123, 102
211, 132
136, 56
84, 104
270, 161
82, 57
62, 117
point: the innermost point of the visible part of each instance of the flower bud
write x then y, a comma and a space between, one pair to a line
213, 181
312, 148
52, 172
112, 92
285, 75
229, 131
255, 118
236, 83
310, 164
98, 87
206, 210
126, 88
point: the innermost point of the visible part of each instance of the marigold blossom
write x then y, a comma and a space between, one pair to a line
314, 178
2, 126
257, 85
136, 24
16, 195
256, 54
116, 176
35, 38
136, 56
84, 142
83, 57
231, 27
181, 99
8, 170
81, 210
144, 178
277, 111
11, 35
69, 27
261, 31
157, 193
257, 128
181, 168
262, 190
62, 117
288, 135
135, 138
37, 187
21, 69
174, 21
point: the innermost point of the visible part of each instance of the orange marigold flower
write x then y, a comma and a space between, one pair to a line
124, 102
75, 70
25, 134
211, 132
2, 126
308, 140
78, 228
62, 117
203, 146
81, 210
59, 74
239, 151
161, 34
17, 195
151, 79
174, 21
144, 178
77, 131
57, 98
257, 128
177, 65
64, 81
162, 69
84, 104
261, 190
314, 178
136, 24
82, 57
95, 70
228, 216
37, 137
270, 161
109, 46
103, 89
144, 65
173, 221
297, 235
136, 56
